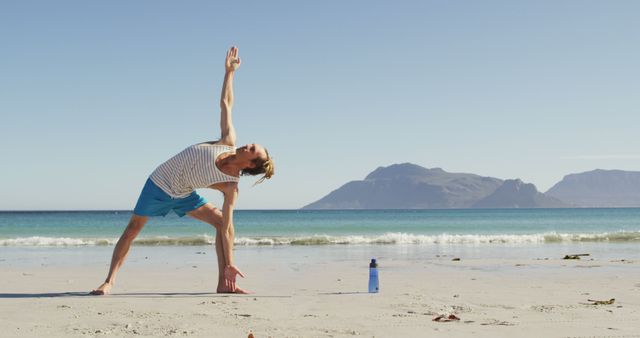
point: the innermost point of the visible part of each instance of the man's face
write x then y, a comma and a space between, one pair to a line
251, 152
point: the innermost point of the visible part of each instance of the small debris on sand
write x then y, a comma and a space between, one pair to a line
602, 302
575, 256
445, 318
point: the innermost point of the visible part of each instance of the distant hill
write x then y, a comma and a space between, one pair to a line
517, 194
409, 186
599, 188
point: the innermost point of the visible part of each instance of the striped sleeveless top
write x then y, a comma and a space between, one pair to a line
191, 169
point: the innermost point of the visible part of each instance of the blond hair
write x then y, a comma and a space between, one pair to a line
266, 167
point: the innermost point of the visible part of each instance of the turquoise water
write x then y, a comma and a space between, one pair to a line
302, 227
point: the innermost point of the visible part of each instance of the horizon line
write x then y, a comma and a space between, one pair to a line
302, 209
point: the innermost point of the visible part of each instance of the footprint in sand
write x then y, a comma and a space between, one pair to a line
498, 322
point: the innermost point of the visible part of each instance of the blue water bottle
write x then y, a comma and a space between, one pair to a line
374, 287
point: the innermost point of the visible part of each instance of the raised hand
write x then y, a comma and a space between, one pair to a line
232, 61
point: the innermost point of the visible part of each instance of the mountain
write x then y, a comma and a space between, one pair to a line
409, 186
599, 188
517, 194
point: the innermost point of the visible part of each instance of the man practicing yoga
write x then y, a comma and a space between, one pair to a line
217, 165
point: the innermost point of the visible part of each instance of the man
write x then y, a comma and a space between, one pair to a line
216, 165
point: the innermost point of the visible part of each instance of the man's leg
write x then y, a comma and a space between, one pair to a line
221, 262
213, 216
120, 252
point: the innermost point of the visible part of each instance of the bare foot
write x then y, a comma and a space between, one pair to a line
228, 290
102, 289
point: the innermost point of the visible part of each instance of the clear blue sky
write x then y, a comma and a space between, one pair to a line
95, 94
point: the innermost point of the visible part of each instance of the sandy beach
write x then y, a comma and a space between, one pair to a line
160, 293
482, 152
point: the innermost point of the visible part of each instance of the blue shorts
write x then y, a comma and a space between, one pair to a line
153, 201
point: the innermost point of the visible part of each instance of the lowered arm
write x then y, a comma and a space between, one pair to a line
228, 236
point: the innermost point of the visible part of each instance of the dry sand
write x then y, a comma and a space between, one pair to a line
492, 298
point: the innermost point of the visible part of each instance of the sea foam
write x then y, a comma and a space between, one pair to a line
392, 238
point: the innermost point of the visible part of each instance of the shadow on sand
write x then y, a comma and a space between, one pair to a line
43, 295
130, 294
343, 293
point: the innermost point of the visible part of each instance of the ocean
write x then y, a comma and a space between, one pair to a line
331, 227
46, 238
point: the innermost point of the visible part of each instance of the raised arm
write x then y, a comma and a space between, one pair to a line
232, 62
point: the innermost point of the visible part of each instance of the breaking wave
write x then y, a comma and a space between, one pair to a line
384, 239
